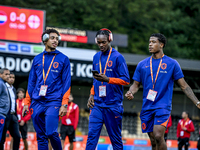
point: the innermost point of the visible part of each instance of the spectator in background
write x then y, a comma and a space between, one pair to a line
167, 128
22, 119
4, 98
184, 128
69, 123
11, 122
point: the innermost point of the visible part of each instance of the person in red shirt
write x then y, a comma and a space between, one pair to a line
184, 128
22, 119
167, 129
69, 123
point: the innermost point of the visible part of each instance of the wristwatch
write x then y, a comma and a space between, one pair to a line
198, 103
65, 105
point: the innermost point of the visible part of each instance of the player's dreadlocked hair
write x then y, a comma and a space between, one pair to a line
103, 32
161, 38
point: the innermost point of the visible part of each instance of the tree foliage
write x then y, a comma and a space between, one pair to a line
177, 20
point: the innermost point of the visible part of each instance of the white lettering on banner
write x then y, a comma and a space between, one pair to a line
17, 68
25, 65
2, 65
89, 71
80, 70
72, 66
16, 64
83, 70
10, 63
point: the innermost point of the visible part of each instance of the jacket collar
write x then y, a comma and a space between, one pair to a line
106, 52
51, 53
2, 80
9, 86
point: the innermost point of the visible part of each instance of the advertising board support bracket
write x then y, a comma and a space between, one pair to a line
116, 47
65, 44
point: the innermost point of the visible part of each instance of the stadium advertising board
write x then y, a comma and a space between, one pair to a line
19, 24
21, 65
18, 57
86, 36
71, 35
103, 144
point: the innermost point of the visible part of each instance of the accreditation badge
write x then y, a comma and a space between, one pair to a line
19, 117
182, 133
102, 91
152, 95
68, 121
43, 90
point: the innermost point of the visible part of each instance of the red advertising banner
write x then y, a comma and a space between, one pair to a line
73, 38
19, 24
104, 143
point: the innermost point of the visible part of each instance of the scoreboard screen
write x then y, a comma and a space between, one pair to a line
19, 24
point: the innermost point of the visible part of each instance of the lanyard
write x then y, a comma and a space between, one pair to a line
45, 77
157, 70
106, 62
20, 105
70, 108
183, 125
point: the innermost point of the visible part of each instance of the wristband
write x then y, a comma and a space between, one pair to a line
65, 105
198, 103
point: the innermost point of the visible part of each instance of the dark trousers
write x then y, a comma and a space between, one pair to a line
11, 124
198, 143
45, 121
183, 141
112, 118
165, 137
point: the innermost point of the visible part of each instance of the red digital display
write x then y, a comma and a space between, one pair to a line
73, 38
19, 24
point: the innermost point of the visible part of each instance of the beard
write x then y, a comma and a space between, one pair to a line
51, 48
155, 52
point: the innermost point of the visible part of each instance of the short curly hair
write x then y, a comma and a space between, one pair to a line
161, 38
48, 31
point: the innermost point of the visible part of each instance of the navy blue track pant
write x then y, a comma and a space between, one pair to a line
45, 121
112, 118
